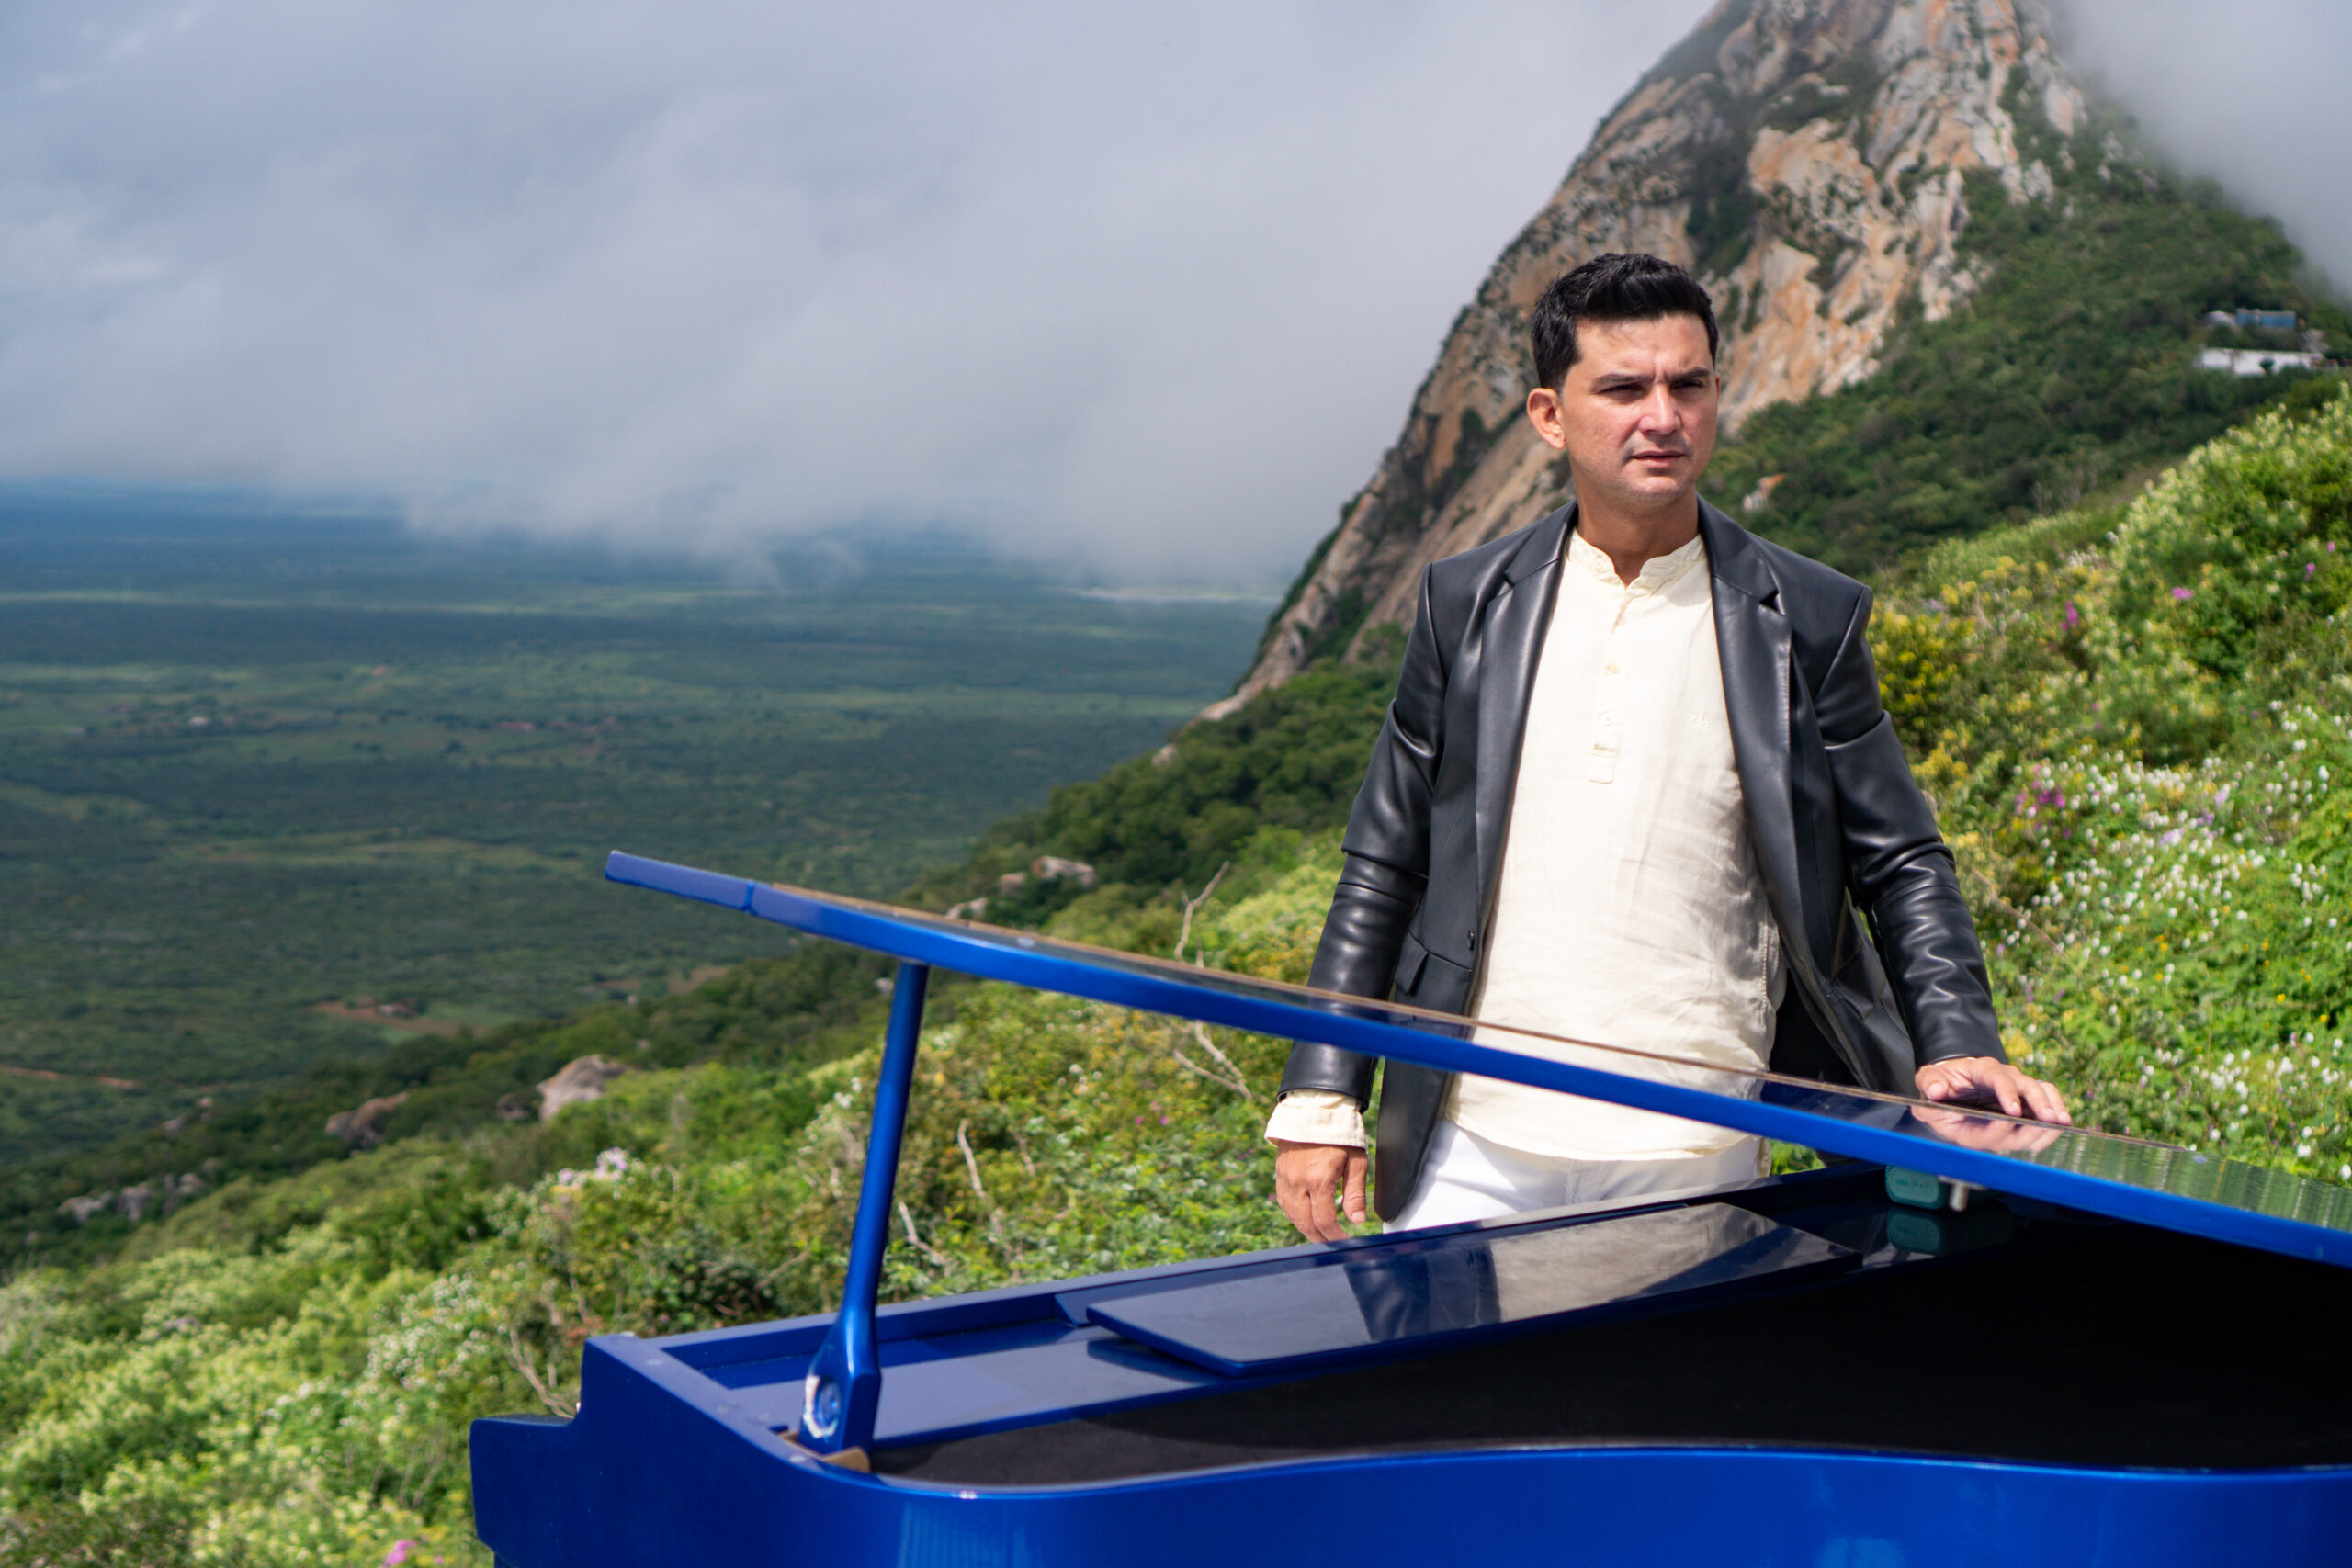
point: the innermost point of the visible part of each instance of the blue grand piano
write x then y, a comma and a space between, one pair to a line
1967, 1341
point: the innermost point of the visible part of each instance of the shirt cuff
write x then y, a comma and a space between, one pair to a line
1317, 1116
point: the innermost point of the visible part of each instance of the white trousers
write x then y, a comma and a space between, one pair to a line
1468, 1178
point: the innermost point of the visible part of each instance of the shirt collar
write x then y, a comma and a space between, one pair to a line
1655, 573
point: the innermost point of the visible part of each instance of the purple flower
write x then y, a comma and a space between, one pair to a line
2309, 567
398, 1553
2074, 617
2184, 593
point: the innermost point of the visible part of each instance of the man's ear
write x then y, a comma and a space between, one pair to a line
1544, 413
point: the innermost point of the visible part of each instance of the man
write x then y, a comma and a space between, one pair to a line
1674, 728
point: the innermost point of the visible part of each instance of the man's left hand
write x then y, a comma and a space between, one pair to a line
1988, 1081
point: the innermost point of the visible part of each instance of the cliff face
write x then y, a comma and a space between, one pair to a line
1805, 158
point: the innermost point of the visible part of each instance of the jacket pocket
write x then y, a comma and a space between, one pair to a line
1409, 964
1443, 986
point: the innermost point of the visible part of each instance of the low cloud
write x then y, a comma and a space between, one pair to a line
2250, 93
1144, 288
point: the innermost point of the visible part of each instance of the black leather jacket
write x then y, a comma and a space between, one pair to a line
1839, 827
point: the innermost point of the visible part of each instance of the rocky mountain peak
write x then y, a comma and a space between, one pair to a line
1805, 158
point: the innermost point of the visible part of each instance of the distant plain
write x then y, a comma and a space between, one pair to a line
265, 774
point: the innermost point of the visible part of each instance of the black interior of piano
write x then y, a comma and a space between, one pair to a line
2107, 1346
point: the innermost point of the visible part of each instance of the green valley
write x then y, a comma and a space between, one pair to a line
273, 790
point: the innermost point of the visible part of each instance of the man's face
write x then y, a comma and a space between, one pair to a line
1637, 415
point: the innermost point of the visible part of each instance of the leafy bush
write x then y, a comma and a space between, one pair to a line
2137, 735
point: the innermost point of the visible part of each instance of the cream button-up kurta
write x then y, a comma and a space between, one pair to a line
1631, 911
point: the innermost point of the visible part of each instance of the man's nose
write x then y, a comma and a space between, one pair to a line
1660, 413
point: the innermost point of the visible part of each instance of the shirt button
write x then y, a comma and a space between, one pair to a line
1608, 719
1613, 670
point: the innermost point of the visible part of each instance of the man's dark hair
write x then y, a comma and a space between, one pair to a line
1615, 287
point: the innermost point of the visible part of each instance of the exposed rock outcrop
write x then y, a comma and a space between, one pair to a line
159, 1194
582, 1079
83, 1210
1805, 159
363, 1128
1055, 868
1045, 868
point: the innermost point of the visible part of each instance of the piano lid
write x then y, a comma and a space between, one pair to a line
2101, 1173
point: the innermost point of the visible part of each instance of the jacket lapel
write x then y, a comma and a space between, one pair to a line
1752, 640
1509, 648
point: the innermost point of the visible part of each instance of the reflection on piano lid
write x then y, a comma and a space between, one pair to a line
1428, 1293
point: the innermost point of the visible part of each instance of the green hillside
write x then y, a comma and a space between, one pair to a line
2070, 370
2133, 721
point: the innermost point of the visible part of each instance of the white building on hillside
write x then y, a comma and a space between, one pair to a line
2259, 361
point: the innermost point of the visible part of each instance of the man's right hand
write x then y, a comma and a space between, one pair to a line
1315, 1182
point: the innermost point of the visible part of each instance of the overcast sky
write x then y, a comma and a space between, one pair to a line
1145, 287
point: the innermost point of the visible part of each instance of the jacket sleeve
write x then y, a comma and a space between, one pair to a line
1386, 868
1898, 866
